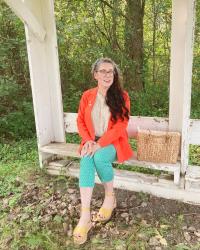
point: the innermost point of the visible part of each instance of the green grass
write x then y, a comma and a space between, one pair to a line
16, 159
19, 163
194, 155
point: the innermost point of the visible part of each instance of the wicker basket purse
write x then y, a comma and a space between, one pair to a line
158, 146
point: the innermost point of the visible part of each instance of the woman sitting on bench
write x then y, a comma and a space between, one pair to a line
102, 121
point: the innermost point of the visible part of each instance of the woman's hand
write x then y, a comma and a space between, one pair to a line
87, 148
95, 147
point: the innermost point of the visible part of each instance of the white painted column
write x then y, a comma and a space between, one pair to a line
26, 15
182, 40
45, 77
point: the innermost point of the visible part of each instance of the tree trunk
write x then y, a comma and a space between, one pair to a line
114, 25
134, 44
154, 41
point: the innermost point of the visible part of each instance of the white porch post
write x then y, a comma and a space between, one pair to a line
183, 15
45, 77
27, 17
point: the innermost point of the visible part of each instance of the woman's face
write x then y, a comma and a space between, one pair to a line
104, 74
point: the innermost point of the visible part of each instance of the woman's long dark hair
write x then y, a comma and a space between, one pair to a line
114, 97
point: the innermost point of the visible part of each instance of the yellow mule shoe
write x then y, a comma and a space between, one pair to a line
80, 233
104, 213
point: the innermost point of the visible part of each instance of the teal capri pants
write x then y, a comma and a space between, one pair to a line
101, 161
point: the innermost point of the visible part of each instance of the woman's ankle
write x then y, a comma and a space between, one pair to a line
85, 218
109, 193
85, 213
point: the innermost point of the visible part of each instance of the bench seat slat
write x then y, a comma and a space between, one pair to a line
71, 150
61, 148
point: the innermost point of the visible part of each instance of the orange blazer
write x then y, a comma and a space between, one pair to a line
116, 133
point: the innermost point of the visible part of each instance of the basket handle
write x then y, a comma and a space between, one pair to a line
167, 136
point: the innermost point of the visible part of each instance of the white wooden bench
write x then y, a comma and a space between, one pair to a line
71, 149
170, 185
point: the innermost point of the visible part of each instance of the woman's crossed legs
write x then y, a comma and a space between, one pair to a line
102, 163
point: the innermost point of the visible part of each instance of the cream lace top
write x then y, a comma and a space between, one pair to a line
100, 115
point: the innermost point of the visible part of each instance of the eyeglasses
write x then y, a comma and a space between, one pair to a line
103, 72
